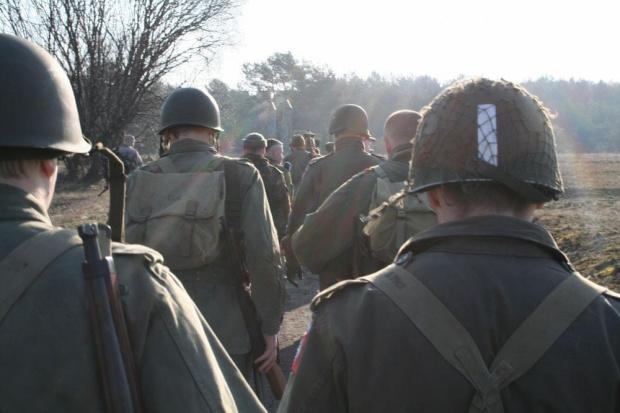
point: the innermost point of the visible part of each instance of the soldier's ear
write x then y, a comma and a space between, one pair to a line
435, 196
49, 167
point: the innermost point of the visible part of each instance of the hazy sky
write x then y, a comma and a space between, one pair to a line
517, 40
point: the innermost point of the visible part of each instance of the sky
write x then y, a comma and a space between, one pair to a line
516, 40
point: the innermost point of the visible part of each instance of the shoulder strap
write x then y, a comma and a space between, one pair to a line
166, 165
233, 193
214, 164
26, 262
380, 172
531, 340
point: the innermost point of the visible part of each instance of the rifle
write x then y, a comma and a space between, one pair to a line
116, 364
116, 185
275, 376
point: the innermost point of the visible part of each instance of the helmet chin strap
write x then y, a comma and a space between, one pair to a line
530, 193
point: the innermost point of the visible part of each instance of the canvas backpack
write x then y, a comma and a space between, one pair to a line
394, 216
177, 214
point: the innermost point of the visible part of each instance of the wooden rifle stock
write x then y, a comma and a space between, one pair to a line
112, 340
116, 185
275, 376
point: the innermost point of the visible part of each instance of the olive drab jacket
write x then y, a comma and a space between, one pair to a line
490, 273
322, 177
47, 350
212, 286
299, 160
287, 176
275, 189
333, 233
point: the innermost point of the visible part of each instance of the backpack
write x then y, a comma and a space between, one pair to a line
394, 216
177, 214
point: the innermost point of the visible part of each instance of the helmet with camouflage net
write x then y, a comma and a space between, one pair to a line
481, 130
254, 140
190, 106
37, 106
350, 118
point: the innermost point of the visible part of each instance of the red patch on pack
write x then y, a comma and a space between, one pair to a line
300, 350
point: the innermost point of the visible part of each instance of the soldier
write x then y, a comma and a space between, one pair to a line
334, 232
311, 147
128, 154
275, 156
47, 347
190, 121
254, 150
502, 321
349, 126
299, 159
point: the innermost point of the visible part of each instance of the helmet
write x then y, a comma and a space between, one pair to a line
349, 117
190, 106
37, 106
254, 140
481, 130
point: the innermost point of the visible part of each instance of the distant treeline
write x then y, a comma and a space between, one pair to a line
587, 114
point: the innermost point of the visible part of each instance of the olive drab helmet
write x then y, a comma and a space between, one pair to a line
190, 106
37, 105
351, 118
481, 130
254, 140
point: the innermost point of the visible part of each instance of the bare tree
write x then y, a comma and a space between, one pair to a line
117, 51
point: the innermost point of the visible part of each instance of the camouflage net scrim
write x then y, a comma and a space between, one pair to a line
481, 130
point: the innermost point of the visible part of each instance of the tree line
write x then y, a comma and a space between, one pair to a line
118, 53
586, 114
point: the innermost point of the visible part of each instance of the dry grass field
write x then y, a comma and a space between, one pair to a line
585, 223
586, 220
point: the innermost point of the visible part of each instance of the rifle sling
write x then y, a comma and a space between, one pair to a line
522, 350
29, 260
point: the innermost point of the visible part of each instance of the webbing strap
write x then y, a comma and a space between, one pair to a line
233, 194
166, 165
401, 225
522, 350
191, 208
546, 324
380, 172
26, 262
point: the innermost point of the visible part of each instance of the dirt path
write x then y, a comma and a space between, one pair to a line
296, 320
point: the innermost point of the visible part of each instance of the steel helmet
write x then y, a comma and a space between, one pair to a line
37, 105
481, 130
254, 140
349, 117
190, 106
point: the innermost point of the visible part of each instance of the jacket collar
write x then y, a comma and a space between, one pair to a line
189, 145
487, 226
19, 205
256, 159
402, 153
349, 142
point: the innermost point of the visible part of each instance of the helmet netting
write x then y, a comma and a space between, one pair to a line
497, 122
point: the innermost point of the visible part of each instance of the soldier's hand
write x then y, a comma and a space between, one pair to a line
268, 359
